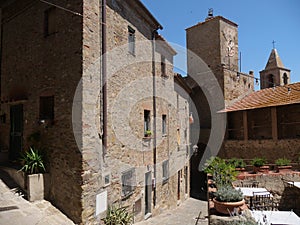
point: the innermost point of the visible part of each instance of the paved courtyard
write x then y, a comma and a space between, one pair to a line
15, 210
190, 212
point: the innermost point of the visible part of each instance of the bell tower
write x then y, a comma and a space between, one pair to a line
215, 41
275, 73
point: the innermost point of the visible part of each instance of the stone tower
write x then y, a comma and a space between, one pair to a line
275, 73
216, 41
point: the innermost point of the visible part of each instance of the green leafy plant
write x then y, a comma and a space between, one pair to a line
228, 194
237, 163
148, 133
248, 222
118, 215
33, 161
223, 173
258, 162
282, 162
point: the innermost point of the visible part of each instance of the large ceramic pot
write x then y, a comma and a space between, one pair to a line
228, 207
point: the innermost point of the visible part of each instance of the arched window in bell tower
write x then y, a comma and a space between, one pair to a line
271, 80
285, 79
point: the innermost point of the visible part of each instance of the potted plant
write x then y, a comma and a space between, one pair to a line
228, 200
33, 166
259, 165
283, 165
148, 133
239, 164
118, 215
223, 173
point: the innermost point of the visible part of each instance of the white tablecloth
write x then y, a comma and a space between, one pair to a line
276, 217
249, 191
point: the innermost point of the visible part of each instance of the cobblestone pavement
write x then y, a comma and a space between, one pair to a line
15, 210
186, 214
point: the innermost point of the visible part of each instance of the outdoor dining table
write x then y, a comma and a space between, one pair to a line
296, 184
276, 217
251, 192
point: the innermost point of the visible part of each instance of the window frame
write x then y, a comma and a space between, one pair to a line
50, 12
163, 66
165, 171
131, 40
164, 125
147, 121
46, 108
128, 182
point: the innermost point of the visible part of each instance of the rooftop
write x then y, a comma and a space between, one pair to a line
269, 97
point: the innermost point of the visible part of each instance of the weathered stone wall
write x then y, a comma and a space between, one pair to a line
216, 42
35, 65
130, 92
269, 149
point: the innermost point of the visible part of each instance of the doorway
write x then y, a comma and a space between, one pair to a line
148, 191
16, 131
198, 179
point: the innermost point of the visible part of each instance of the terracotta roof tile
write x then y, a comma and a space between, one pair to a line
267, 98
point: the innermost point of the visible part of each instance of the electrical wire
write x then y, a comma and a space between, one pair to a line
62, 8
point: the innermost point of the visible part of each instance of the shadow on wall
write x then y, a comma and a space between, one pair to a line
290, 200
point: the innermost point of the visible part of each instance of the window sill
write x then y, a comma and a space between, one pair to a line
124, 197
132, 54
165, 180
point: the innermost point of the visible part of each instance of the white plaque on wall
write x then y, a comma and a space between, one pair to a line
101, 203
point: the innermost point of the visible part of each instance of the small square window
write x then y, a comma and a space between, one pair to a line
47, 108
164, 124
165, 171
128, 182
131, 40
50, 22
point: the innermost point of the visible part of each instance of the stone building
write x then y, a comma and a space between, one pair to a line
258, 123
265, 123
92, 83
216, 82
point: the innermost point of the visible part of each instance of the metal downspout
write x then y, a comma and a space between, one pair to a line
154, 33
104, 85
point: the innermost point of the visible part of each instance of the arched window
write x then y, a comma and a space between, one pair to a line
271, 80
285, 79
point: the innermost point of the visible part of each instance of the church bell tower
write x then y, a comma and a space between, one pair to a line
274, 74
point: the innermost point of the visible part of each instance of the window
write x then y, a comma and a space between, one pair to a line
285, 79
146, 122
47, 108
164, 124
165, 171
131, 40
50, 22
163, 66
107, 180
271, 80
128, 182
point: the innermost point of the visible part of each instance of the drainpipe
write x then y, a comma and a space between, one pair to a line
1, 46
154, 33
103, 83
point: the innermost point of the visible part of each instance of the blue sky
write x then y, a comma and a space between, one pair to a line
260, 22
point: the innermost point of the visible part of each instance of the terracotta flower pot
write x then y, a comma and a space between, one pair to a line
227, 207
261, 169
283, 169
